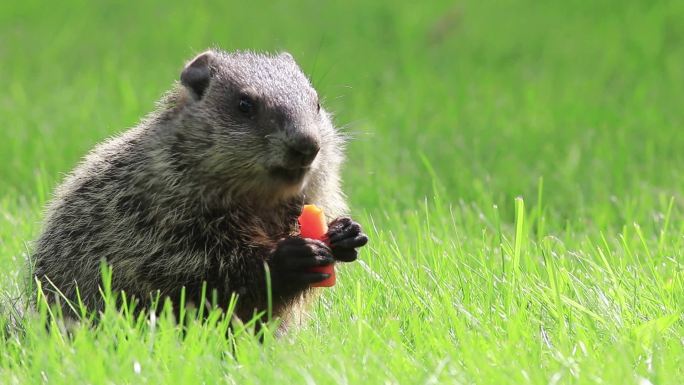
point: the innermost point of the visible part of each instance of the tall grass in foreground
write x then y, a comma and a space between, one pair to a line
430, 302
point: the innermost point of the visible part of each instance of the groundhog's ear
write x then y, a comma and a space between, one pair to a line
197, 74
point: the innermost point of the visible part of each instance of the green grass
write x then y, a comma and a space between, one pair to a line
456, 110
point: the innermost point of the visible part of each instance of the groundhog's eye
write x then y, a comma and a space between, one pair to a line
246, 105
318, 106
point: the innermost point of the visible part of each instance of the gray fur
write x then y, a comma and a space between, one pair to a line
186, 196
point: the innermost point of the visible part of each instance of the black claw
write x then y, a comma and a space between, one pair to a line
304, 278
346, 255
311, 278
291, 262
340, 222
343, 228
345, 235
307, 263
349, 243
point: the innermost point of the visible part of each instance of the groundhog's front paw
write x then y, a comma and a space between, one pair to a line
292, 260
345, 236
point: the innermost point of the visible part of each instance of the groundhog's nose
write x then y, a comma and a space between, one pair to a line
302, 151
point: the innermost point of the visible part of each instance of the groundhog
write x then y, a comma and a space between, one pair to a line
206, 190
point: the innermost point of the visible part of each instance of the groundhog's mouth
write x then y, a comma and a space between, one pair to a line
289, 175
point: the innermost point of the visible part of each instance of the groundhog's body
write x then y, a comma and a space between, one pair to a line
198, 193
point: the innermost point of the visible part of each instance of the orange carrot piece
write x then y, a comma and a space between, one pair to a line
312, 225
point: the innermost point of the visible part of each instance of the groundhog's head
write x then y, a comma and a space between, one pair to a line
252, 124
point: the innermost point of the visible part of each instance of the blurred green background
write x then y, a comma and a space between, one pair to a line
494, 94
